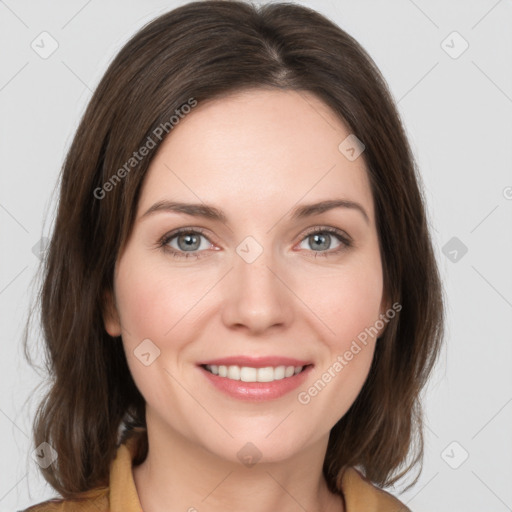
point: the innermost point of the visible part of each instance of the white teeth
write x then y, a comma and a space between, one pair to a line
250, 374
234, 372
279, 373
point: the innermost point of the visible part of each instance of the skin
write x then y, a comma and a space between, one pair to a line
256, 155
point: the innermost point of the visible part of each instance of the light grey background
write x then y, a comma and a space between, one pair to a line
458, 114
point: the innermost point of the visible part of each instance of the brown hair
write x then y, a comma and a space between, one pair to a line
204, 50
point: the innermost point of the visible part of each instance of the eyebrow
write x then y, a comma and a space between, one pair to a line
210, 212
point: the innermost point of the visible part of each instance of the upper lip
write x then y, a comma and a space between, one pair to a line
256, 362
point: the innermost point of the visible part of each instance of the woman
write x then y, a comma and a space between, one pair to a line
241, 302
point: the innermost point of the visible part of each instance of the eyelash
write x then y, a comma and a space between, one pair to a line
345, 241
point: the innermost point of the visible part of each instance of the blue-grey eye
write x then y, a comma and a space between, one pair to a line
321, 241
187, 242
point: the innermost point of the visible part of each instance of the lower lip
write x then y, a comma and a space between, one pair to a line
257, 391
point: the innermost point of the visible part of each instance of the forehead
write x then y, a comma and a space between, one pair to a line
257, 148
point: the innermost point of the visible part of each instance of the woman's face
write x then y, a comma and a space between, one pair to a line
251, 290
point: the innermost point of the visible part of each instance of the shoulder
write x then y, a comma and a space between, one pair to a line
361, 494
95, 500
120, 492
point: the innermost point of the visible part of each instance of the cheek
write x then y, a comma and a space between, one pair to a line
349, 301
349, 304
150, 301
150, 305
161, 306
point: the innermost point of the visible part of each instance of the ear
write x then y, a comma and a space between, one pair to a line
385, 306
111, 315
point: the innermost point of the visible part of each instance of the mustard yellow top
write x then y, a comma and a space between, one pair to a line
359, 494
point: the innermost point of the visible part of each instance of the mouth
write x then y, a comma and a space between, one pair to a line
256, 379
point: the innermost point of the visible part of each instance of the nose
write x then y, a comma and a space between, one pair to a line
257, 298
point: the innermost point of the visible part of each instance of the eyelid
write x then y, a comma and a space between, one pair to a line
343, 238
327, 229
167, 237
